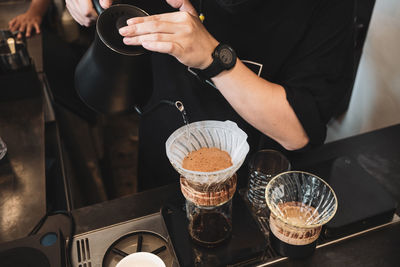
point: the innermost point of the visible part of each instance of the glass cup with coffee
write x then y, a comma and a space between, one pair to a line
300, 204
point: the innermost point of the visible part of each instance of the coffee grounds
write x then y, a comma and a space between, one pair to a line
207, 160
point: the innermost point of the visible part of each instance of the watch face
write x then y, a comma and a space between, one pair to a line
226, 56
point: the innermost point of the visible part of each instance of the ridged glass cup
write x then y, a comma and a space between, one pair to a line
3, 148
300, 204
263, 166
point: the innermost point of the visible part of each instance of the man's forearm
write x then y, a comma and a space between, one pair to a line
39, 6
263, 104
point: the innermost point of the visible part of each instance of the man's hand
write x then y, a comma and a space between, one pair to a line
180, 34
27, 22
30, 21
83, 11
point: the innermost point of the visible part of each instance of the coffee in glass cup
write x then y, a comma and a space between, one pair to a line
300, 204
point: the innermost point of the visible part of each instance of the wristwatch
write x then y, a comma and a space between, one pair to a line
224, 58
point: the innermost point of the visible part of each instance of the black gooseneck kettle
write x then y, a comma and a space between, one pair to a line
113, 77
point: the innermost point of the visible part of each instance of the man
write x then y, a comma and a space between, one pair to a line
293, 65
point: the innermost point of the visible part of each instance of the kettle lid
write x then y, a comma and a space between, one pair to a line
109, 22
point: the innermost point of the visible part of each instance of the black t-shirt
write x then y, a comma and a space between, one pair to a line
305, 46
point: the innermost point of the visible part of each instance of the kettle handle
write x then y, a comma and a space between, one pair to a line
97, 6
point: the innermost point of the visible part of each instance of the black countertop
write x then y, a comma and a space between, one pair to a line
22, 178
22, 182
377, 152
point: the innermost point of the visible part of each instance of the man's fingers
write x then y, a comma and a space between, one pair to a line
149, 27
171, 17
82, 12
37, 27
14, 27
147, 18
183, 5
76, 15
175, 3
106, 3
163, 47
154, 37
187, 7
82, 20
12, 23
22, 28
28, 30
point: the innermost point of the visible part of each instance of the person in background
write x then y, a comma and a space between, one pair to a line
30, 21
285, 66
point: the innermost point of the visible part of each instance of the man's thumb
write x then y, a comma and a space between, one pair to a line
183, 5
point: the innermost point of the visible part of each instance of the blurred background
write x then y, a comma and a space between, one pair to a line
375, 101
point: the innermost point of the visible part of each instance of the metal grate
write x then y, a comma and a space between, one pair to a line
83, 252
90, 248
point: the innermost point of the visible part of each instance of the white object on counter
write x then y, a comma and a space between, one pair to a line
141, 259
11, 45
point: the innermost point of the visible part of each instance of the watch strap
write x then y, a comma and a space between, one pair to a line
216, 67
213, 70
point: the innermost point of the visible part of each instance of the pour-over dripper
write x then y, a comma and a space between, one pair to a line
226, 136
208, 194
